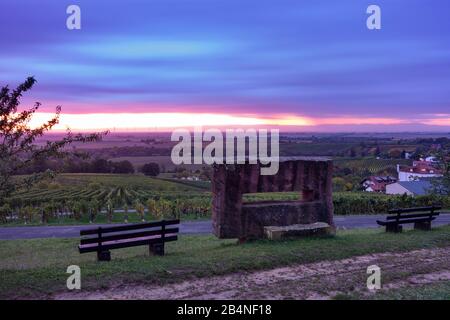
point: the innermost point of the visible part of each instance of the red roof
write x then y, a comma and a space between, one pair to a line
421, 167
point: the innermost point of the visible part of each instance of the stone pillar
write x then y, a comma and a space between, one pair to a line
227, 202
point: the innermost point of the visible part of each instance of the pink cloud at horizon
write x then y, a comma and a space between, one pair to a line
158, 121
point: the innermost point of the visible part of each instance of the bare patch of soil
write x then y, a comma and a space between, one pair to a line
321, 280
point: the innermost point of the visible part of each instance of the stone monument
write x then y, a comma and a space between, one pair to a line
232, 218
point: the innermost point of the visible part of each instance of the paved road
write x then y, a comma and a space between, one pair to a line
189, 227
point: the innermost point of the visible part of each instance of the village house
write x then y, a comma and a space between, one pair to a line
419, 169
411, 188
377, 183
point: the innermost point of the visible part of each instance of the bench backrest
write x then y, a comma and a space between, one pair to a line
416, 209
429, 212
139, 230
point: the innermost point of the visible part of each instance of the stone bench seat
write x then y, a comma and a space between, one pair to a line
297, 230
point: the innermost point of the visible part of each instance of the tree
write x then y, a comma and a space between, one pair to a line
377, 151
140, 210
125, 210
101, 166
395, 154
4, 212
150, 169
338, 184
441, 185
403, 155
110, 210
94, 209
18, 149
122, 167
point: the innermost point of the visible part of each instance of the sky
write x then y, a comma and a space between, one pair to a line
303, 65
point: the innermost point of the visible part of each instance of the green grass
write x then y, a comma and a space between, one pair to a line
430, 291
37, 267
434, 291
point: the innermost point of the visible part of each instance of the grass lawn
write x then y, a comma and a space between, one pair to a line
34, 268
436, 291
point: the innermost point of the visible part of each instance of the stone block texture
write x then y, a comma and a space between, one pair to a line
298, 230
310, 176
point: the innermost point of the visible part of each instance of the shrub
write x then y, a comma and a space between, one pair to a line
359, 203
4, 211
150, 169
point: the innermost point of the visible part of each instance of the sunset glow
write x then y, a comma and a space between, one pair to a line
288, 64
160, 121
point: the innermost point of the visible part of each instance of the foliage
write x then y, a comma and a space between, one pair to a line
369, 203
140, 209
5, 210
18, 149
94, 209
110, 210
442, 185
125, 216
150, 169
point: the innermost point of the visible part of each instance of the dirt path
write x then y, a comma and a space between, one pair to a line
320, 280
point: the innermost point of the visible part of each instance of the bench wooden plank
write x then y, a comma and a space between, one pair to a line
415, 209
422, 220
385, 223
415, 215
125, 243
127, 235
130, 227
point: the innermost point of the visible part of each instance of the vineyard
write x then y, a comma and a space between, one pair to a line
374, 166
114, 198
84, 198
101, 197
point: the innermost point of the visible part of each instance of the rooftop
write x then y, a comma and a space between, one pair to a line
420, 188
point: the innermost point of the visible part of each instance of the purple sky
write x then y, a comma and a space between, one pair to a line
287, 59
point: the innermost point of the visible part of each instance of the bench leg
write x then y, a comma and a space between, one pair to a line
422, 225
157, 249
394, 228
104, 255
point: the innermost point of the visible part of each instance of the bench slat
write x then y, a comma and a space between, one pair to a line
86, 232
415, 215
385, 223
416, 209
128, 235
125, 244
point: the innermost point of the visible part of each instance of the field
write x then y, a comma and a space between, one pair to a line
165, 162
101, 186
372, 165
36, 268
83, 198
313, 148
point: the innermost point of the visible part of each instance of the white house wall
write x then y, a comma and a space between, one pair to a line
396, 188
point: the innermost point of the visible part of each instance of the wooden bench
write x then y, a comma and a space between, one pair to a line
103, 239
422, 221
